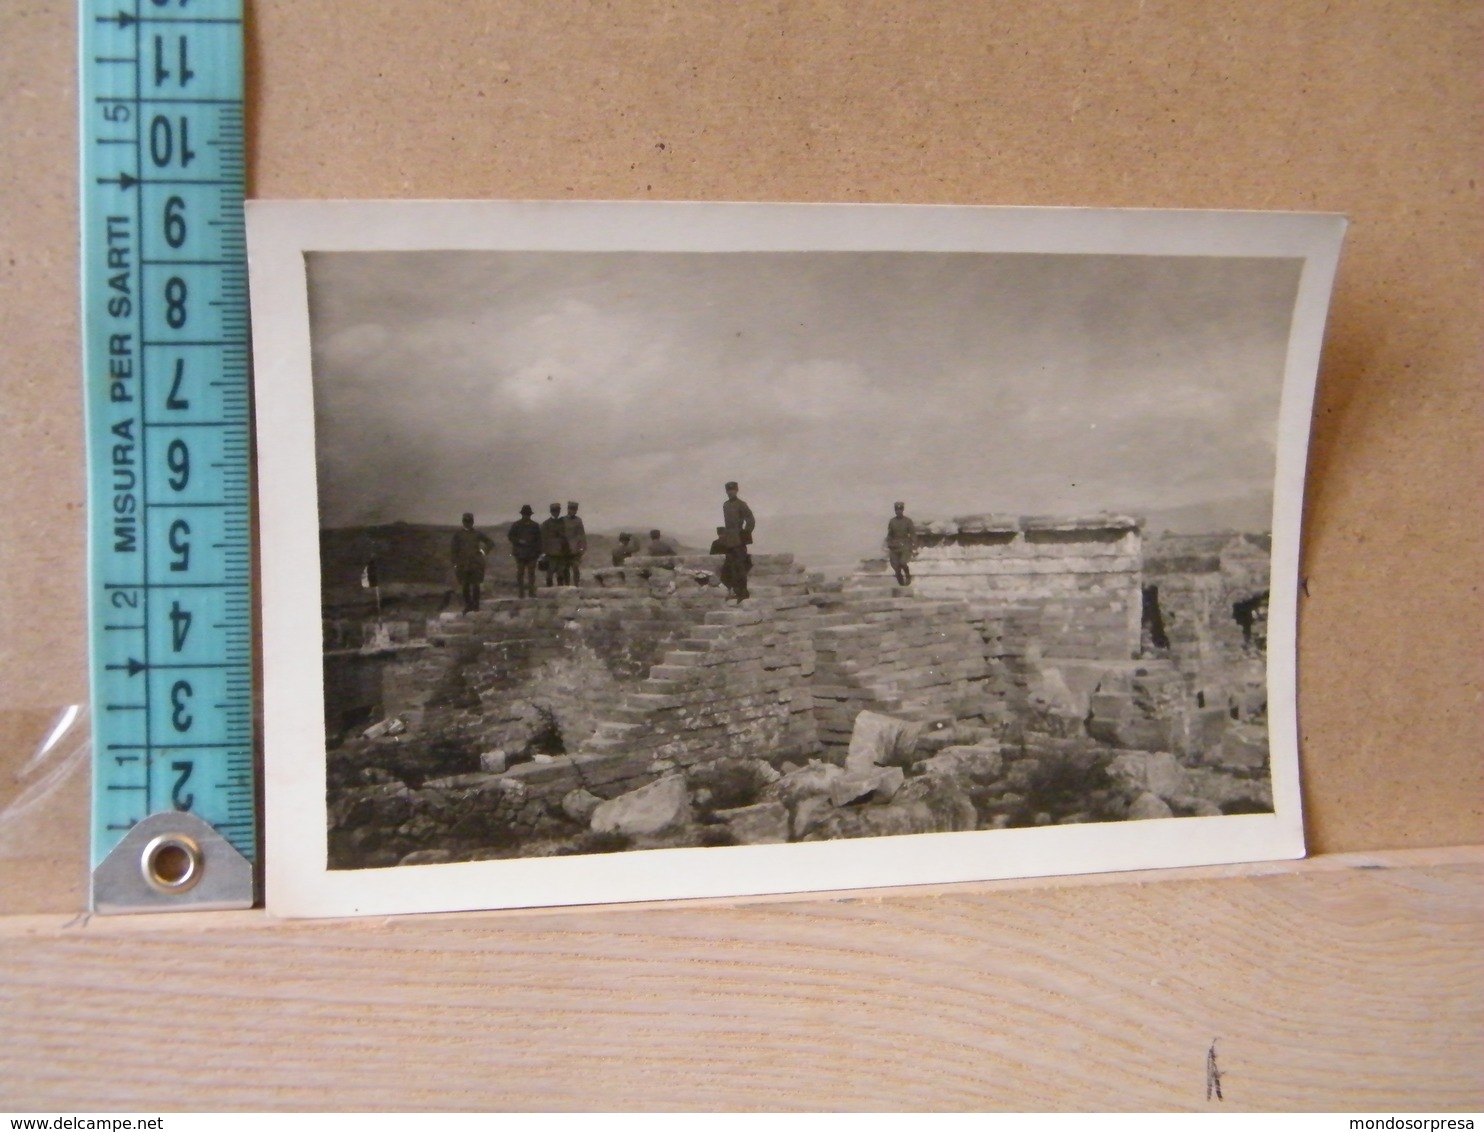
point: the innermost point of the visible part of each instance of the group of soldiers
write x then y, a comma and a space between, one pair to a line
556, 546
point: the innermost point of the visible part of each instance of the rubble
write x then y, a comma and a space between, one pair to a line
644, 710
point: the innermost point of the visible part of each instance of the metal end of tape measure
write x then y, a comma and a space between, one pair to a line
170, 862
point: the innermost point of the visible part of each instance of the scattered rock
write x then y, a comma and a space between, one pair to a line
1023, 775
660, 805
978, 765
493, 762
1189, 806
855, 784
579, 805
382, 728
1243, 746
426, 857
766, 823
814, 778
808, 813
1156, 772
1230, 793
879, 739
930, 804
1148, 805
892, 778
1049, 692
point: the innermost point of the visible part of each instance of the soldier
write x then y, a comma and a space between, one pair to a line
525, 548
576, 543
554, 547
901, 544
625, 549
733, 574
739, 527
467, 552
659, 546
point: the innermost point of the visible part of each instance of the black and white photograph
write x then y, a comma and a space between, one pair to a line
647, 551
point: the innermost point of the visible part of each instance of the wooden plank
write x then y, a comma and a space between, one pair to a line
1342, 983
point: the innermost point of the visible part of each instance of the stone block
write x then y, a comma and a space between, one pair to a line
876, 740
1154, 772
1243, 746
976, 766
651, 809
1148, 805
766, 823
579, 805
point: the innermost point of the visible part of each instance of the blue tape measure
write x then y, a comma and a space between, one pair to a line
165, 353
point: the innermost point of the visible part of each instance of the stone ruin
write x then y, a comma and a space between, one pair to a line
1037, 672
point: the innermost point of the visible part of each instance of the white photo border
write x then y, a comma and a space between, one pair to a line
298, 879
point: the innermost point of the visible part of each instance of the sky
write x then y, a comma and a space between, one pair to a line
829, 384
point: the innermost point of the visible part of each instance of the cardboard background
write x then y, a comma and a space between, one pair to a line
1370, 109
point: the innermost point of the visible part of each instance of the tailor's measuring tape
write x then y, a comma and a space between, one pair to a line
165, 355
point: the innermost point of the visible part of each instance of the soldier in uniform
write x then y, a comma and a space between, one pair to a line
901, 544
525, 548
733, 574
659, 546
467, 552
576, 543
625, 549
554, 547
739, 525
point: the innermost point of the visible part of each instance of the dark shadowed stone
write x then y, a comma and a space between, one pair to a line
1230, 793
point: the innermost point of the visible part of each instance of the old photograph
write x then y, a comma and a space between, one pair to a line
631, 549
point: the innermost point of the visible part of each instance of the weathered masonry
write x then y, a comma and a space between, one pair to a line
1049, 671
1072, 585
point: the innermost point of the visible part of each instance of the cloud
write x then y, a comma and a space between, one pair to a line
824, 382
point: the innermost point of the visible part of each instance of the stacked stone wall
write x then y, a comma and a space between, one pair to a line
737, 684
1070, 587
1199, 583
879, 650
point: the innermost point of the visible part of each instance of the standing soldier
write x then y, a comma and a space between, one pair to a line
901, 544
576, 543
525, 548
467, 551
554, 546
733, 575
737, 517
